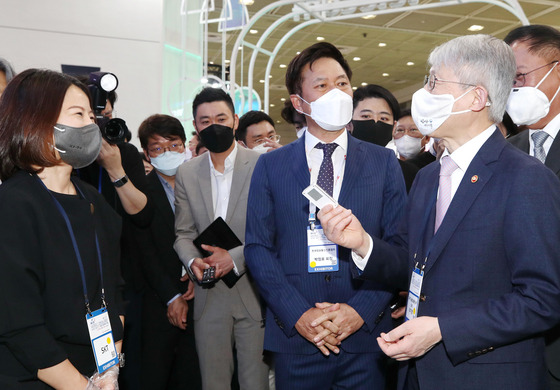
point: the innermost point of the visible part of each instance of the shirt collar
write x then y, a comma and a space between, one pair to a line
551, 129
466, 152
311, 141
228, 163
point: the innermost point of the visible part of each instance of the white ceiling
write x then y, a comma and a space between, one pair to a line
409, 37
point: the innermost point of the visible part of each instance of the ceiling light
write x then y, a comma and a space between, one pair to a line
410, 63
227, 61
253, 31
475, 27
354, 88
282, 65
283, 99
272, 105
382, 44
246, 2
261, 81
356, 58
298, 53
364, 84
385, 74
211, 62
368, 17
320, 38
277, 121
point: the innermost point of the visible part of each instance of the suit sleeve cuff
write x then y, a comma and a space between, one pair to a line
361, 262
173, 299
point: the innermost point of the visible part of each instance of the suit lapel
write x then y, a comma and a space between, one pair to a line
553, 157
475, 179
241, 170
205, 186
354, 162
299, 166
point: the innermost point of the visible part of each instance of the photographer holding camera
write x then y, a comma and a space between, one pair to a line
118, 174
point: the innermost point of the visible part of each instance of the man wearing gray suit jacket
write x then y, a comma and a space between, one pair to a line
210, 186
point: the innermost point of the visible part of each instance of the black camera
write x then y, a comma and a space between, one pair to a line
100, 84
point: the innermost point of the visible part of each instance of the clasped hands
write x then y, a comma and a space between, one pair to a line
326, 325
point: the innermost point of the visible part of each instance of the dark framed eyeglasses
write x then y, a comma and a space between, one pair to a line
520, 77
430, 81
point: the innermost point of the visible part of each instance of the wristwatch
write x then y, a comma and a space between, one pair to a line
121, 182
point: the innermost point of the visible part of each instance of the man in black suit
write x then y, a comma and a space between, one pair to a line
169, 359
537, 52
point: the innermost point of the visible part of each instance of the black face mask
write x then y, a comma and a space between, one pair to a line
379, 133
217, 138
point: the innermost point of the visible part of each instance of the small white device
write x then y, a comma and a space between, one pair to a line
318, 196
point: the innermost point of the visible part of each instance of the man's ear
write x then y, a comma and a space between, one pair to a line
297, 102
481, 100
235, 122
147, 155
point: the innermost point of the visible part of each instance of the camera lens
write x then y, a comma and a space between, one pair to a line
114, 131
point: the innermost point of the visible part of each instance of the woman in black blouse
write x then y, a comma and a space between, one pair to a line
59, 257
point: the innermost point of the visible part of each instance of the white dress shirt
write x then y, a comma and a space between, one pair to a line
552, 130
315, 158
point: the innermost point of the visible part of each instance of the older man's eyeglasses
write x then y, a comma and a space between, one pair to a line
431, 80
520, 77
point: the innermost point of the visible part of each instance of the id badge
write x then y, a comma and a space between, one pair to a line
101, 335
322, 253
414, 294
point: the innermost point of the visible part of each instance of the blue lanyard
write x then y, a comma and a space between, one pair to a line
76, 249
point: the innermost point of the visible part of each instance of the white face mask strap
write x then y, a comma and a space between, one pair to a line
301, 112
554, 97
545, 76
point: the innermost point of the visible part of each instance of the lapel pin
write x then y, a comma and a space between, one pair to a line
474, 179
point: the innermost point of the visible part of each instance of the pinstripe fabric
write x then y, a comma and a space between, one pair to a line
276, 241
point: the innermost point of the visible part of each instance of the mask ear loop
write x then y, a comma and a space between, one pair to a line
460, 97
301, 112
62, 130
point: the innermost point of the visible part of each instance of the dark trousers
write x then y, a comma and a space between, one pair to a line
355, 371
169, 359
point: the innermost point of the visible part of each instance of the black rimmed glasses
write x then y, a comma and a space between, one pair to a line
520, 77
431, 80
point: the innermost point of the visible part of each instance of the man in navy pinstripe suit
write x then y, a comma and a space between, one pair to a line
297, 285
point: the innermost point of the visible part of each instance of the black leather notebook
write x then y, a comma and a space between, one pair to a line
219, 234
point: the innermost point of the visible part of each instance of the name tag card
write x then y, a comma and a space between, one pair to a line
414, 294
101, 335
321, 252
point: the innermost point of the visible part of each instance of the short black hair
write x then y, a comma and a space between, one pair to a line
288, 113
404, 113
162, 125
543, 41
248, 119
112, 97
209, 95
309, 56
377, 91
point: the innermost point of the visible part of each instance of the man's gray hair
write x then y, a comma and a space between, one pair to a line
7, 69
480, 60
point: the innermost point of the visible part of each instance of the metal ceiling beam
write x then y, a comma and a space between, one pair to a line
325, 11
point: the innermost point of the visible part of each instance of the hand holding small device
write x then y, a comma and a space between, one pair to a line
318, 196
